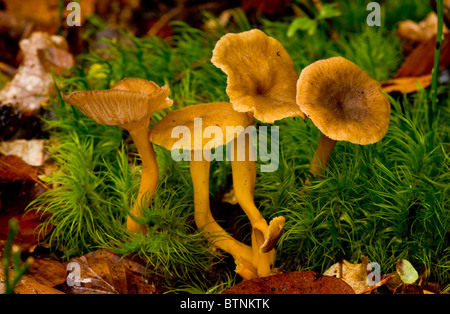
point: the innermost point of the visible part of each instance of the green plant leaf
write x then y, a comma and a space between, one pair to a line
406, 271
302, 23
328, 10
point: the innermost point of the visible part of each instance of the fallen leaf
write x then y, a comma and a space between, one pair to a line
32, 83
13, 168
419, 32
30, 231
353, 274
28, 285
105, 272
41, 278
420, 40
421, 60
55, 59
406, 84
298, 282
30, 151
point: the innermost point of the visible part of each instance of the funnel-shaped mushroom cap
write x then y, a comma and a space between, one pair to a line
193, 120
343, 101
261, 75
128, 101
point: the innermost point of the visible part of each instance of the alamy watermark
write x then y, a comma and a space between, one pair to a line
74, 17
374, 17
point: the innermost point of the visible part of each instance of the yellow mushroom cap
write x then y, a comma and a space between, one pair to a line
343, 101
129, 101
261, 75
220, 114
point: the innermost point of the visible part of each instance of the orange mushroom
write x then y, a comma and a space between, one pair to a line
191, 122
261, 80
129, 103
344, 103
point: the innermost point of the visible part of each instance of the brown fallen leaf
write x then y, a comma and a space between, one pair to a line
32, 83
30, 229
421, 60
298, 282
420, 41
55, 59
353, 274
406, 84
105, 272
419, 32
30, 151
13, 168
415, 72
42, 278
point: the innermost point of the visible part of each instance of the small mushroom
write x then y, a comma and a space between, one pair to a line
261, 80
221, 115
129, 103
344, 103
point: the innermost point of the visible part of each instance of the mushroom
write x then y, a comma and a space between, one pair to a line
192, 121
129, 103
344, 103
261, 75
262, 81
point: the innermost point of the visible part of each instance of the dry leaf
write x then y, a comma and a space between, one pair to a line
421, 60
353, 274
12, 168
420, 41
105, 272
55, 59
30, 151
32, 82
406, 84
30, 229
419, 32
41, 278
415, 72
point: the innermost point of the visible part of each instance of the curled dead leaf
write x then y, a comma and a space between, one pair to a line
105, 272
353, 274
406, 84
32, 82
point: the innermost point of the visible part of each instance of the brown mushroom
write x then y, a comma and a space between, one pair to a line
261, 80
129, 103
344, 103
191, 122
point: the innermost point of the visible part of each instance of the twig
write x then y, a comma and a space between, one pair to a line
7, 69
165, 18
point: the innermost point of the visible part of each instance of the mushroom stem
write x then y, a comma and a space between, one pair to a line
149, 178
244, 177
321, 156
203, 216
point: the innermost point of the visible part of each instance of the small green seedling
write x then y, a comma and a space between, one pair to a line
12, 254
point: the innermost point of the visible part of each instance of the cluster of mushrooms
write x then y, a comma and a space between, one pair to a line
342, 100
